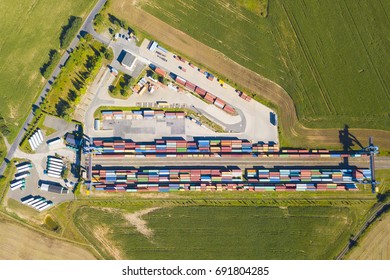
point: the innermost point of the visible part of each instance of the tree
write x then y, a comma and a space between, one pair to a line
69, 31
88, 37
98, 20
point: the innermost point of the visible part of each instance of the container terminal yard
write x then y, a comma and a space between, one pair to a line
194, 132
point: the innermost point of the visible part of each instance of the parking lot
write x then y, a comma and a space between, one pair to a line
39, 163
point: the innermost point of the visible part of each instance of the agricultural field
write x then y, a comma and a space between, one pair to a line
375, 244
43, 247
26, 38
218, 232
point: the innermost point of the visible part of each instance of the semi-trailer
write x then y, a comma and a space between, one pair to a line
54, 159
22, 175
54, 141
34, 200
55, 169
23, 169
38, 201
42, 205
33, 147
56, 164
54, 175
27, 200
45, 207
16, 182
23, 164
34, 143
15, 187
35, 137
40, 135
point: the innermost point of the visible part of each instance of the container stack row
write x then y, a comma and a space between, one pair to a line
204, 148
172, 179
309, 179
162, 148
209, 97
142, 114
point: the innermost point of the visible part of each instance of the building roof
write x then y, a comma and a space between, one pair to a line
128, 60
72, 140
54, 188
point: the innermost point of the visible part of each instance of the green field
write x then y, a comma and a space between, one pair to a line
29, 30
330, 56
225, 232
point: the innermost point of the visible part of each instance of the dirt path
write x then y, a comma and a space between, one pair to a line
16, 244
375, 245
141, 225
295, 133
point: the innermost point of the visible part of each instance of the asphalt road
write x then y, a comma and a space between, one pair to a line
87, 27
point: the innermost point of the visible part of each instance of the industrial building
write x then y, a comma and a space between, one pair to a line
128, 60
54, 188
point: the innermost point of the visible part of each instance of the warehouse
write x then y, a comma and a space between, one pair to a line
54, 188
128, 60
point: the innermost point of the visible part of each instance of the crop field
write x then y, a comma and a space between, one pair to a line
218, 232
43, 247
375, 244
330, 57
29, 30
